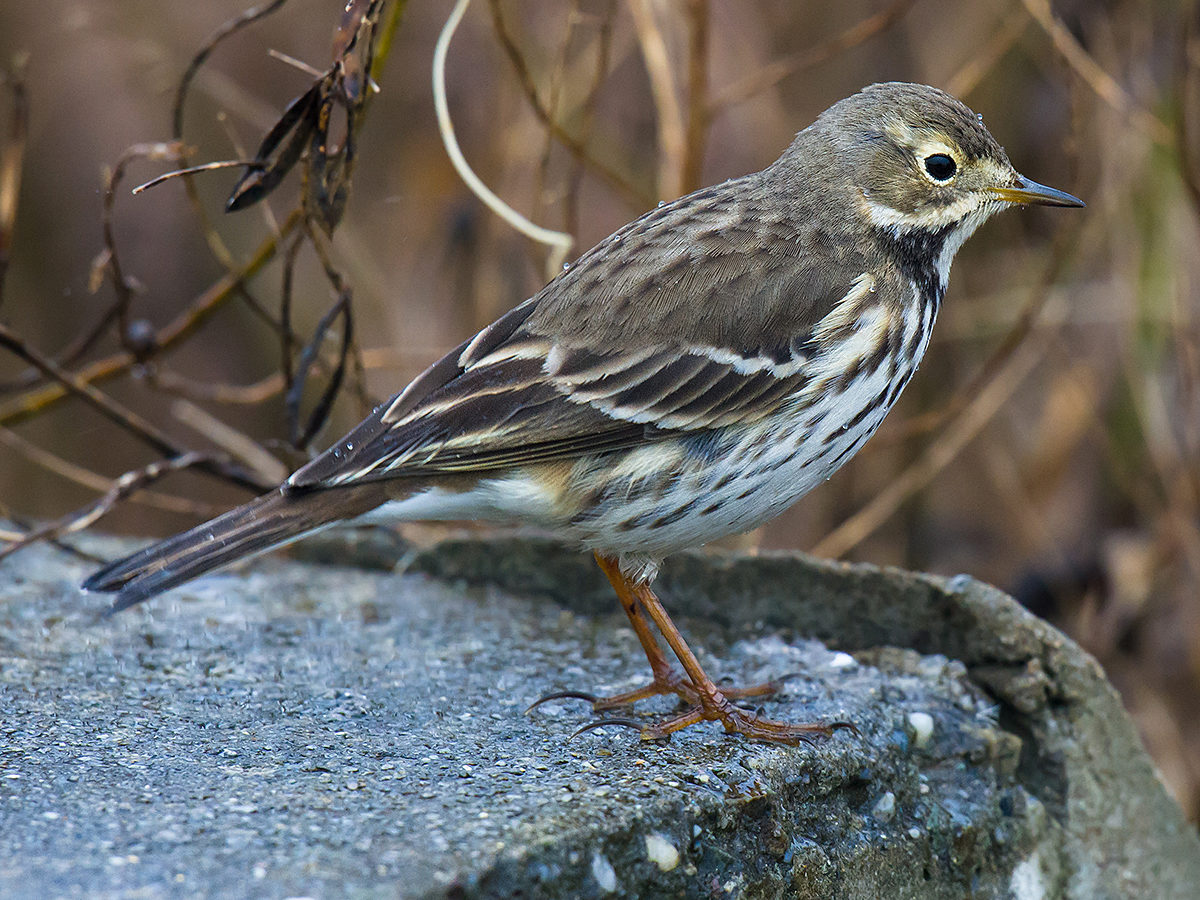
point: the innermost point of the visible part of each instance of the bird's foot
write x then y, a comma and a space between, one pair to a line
668, 682
716, 707
704, 700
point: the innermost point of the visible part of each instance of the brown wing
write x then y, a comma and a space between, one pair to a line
693, 317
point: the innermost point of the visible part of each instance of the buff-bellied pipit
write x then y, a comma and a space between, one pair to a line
689, 377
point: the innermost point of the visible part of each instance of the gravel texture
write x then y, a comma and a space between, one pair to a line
293, 729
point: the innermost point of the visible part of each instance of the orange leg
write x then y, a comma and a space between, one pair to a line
706, 701
665, 679
714, 703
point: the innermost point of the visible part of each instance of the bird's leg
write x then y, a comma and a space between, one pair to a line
712, 704
666, 679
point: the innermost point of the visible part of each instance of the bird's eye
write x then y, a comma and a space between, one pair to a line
940, 166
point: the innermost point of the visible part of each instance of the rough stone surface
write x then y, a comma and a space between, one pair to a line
291, 729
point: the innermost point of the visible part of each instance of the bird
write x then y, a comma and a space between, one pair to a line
690, 377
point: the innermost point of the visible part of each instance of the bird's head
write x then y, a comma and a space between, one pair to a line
911, 157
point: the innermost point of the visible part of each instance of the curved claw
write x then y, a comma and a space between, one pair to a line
828, 731
765, 689
780, 679
561, 695
600, 723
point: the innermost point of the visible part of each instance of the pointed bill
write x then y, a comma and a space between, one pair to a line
1029, 191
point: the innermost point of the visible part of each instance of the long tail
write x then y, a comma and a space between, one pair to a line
275, 518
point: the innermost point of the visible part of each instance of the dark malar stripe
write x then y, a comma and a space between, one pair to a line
916, 252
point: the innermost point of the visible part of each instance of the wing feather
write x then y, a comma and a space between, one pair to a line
710, 331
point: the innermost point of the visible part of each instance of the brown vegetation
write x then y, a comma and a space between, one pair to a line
1051, 443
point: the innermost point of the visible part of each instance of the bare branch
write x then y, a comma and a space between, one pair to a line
559, 242
36, 400
76, 474
775, 72
1102, 84
574, 144
122, 488
12, 158
672, 138
114, 411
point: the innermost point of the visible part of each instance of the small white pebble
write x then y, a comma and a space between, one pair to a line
661, 852
842, 661
922, 726
914, 832
1027, 881
604, 873
885, 807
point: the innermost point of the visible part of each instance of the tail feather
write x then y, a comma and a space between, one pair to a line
272, 519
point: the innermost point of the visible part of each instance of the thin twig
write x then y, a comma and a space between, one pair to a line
114, 411
350, 355
215, 391
123, 285
1102, 84
672, 133
775, 72
35, 401
298, 437
77, 474
215, 244
192, 170
287, 336
575, 144
237, 445
122, 488
559, 242
106, 265
301, 439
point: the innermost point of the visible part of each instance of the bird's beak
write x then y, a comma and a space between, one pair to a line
1026, 191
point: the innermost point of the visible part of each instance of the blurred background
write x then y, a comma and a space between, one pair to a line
1050, 443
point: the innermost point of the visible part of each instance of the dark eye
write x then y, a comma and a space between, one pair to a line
940, 166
